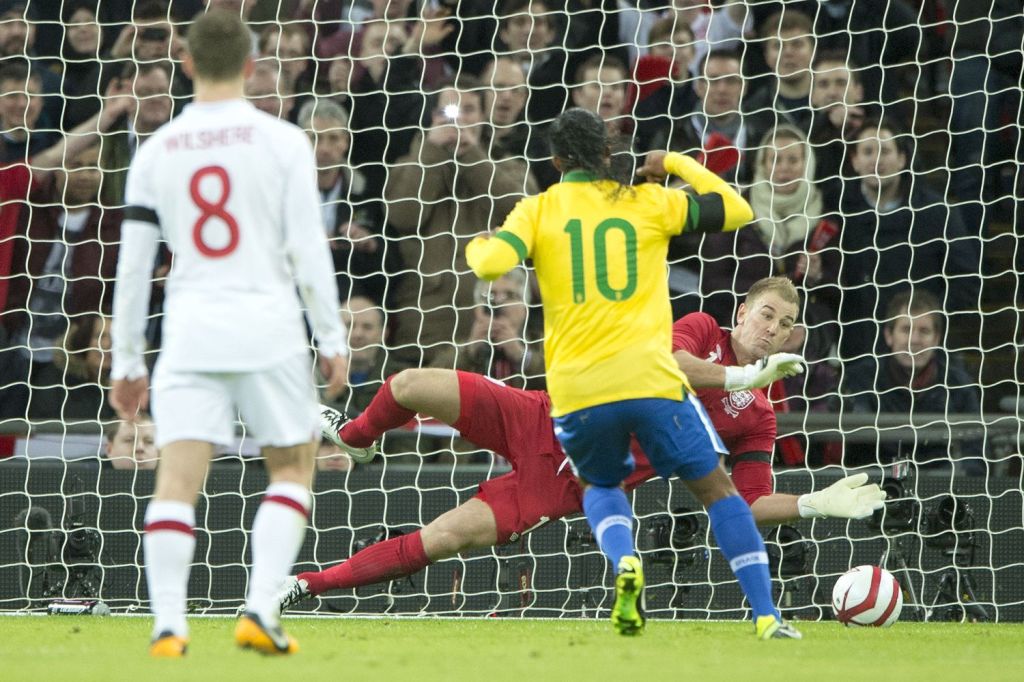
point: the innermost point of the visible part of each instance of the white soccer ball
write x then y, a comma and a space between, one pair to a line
867, 596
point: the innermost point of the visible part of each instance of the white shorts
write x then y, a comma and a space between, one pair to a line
277, 405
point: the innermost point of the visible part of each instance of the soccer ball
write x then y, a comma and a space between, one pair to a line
867, 596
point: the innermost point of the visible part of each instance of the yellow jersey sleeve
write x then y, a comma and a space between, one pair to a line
491, 258
736, 212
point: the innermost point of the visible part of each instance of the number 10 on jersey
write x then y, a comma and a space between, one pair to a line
598, 251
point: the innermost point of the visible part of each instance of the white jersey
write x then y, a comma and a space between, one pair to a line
233, 193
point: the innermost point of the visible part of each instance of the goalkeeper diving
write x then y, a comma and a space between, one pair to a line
541, 487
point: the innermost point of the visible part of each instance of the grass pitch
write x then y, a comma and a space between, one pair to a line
74, 648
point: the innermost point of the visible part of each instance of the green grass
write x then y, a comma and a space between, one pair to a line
74, 648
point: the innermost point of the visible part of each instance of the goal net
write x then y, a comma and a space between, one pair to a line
880, 151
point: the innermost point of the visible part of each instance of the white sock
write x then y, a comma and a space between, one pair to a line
169, 544
277, 534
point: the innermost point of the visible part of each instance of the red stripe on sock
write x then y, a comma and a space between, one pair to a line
394, 558
169, 525
288, 502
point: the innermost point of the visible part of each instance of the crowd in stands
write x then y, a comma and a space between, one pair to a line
429, 123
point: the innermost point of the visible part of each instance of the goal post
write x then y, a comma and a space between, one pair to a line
881, 156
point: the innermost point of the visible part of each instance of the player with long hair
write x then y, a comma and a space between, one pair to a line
541, 488
599, 247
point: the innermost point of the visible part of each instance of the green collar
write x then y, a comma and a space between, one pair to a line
578, 176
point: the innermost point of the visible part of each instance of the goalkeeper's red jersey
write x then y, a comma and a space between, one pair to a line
744, 419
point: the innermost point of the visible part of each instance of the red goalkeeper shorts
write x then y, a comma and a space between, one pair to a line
517, 425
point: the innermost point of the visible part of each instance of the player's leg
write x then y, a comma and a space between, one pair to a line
512, 422
471, 525
431, 392
279, 404
486, 412
597, 442
683, 442
191, 411
169, 541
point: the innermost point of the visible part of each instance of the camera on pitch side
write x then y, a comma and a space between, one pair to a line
901, 509
673, 532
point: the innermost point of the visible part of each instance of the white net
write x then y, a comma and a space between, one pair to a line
878, 142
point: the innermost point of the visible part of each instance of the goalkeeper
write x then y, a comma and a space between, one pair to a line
541, 488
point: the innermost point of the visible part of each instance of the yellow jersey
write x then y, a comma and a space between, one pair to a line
600, 258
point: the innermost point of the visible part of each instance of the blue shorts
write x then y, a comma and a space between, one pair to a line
676, 435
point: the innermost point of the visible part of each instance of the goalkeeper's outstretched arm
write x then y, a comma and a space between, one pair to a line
848, 498
760, 373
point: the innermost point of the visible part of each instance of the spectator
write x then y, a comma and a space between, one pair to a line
131, 445
502, 344
21, 179
816, 389
151, 88
148, 36
21, 106
528, 32
353, 218
288, 46
987, 115
715, 25
897, 233
600, 87
712, 272
268, 92
671, 52
505, 97
878, 34
787, 204
837, 98
386, 101
73, 386
80, 63
64, 258
717, 126
402, 35
440, 195
788, 43
509, 135
17, 46
329, 457
369, 362
339, 81
914, 376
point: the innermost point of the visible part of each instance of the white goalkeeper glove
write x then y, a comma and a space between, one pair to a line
847, 498
763, 372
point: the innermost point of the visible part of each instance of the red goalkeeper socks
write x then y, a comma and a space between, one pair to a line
394, 558
382, 414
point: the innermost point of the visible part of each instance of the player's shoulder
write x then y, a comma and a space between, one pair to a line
697, 322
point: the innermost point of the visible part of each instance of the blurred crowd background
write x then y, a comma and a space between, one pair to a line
878, 142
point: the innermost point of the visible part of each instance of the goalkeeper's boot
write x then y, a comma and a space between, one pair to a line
252, 633
331, 423
168, 645
770, 627
628, 611
294, 591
